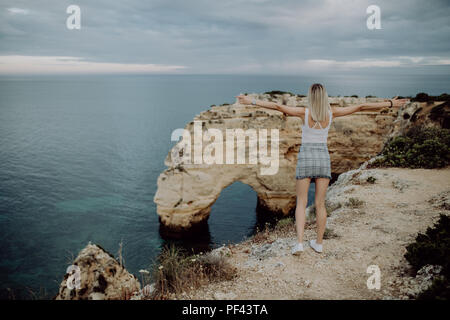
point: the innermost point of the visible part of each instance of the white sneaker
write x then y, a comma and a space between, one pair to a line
315, 246
297, 249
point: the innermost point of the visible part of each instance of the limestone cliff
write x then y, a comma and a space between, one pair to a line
186, 192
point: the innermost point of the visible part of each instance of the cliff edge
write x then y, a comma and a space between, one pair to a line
373, 215
187, 190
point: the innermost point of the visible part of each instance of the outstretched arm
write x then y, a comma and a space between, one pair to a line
343, 111
292, 111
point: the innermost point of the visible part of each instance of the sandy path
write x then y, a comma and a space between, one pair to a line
395, 209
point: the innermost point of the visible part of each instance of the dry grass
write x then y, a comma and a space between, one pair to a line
330, 234
120, 258
354, 203
329, 207
175, 272
40, 294
261, 236
126, 293
285, 226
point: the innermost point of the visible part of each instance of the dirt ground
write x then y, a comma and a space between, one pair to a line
393, 210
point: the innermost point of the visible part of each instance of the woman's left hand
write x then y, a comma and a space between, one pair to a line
244, 99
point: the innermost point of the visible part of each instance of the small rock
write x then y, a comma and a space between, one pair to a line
137, 296
400, 184
148, 290
221, 251
279, 264
96, 296
224, 296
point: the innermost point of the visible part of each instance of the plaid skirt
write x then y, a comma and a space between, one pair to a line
313, 161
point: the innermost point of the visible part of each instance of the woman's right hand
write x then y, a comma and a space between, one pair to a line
396, 102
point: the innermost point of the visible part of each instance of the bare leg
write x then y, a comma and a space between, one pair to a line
321, 212
302, 187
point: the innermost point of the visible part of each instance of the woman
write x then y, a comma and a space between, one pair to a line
313, 158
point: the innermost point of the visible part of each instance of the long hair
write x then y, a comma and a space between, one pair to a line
318, 102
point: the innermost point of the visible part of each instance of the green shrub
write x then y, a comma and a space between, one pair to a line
439, 290
274, 92
354, 203
443, 97
330, 234
422, 97
371, 180
419, 148
433, 248
285, 222
402, 97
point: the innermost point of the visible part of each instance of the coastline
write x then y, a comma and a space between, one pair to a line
373, 214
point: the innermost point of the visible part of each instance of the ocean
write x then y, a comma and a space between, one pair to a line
80, 157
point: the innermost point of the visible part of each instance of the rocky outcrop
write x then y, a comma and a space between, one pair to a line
411, 287
421, 114
186, 191
101, 277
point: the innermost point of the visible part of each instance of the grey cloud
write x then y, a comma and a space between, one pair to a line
216, 36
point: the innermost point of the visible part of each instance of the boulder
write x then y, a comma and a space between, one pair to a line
102, 277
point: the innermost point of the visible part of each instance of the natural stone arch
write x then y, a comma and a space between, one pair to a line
186, 192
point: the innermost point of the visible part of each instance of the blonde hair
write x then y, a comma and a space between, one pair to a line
318, 102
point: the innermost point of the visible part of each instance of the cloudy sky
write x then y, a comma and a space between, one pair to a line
224, 36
